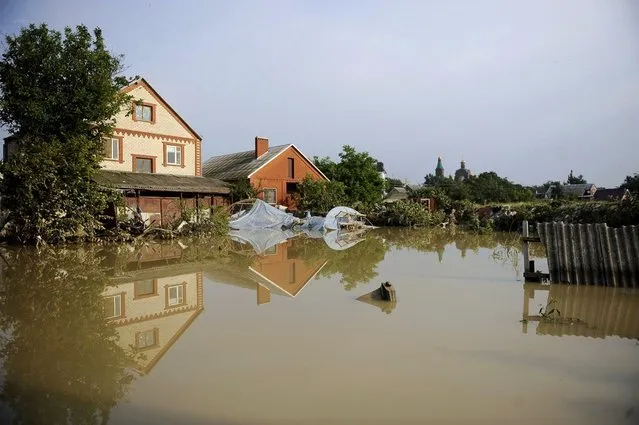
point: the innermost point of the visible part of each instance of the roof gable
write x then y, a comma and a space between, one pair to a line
153, 93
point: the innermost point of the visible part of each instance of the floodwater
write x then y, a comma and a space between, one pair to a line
211, 332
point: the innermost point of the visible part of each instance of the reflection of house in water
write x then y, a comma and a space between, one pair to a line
591, 311
154, 302
276, 271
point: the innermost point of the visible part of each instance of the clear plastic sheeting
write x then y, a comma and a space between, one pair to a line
313, 224
339, 216
263, 216
261, 240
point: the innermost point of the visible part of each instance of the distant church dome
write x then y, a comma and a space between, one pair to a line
462, 173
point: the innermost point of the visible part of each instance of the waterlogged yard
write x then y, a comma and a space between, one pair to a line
225, 332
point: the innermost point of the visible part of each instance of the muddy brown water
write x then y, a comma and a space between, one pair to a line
211, 332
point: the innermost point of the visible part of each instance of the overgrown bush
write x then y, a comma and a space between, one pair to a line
242, 189
405, 213
615, 214
319, 196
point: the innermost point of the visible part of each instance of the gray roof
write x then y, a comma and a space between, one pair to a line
610, 194
160, 182
396, 194
575, 189
239, 165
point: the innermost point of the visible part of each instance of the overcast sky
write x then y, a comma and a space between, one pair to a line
528, 89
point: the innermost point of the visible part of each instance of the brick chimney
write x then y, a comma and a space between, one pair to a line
261, 146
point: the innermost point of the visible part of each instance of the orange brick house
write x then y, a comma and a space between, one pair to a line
274, 171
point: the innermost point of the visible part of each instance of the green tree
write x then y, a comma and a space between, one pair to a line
433, 180
632, 183
327, 166
242, 189
358, 172
319, 196
59, 93
572, 179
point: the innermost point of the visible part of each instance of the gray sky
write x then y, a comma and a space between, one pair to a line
528, 89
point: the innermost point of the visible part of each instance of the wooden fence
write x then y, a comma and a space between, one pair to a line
591, 254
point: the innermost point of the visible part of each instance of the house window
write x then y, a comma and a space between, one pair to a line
145, 288
113, 306
146, 339
143, 164
173, 154
291, 168
175, 295
144, 112
112, 148
270, 196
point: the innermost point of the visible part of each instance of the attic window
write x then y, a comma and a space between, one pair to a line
144, 112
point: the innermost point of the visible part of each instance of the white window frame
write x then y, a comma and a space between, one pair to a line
178, 299
141, 116
117, 311
178, 154
115, 147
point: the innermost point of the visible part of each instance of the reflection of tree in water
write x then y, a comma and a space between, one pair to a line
61, 360
506, 246
356, 264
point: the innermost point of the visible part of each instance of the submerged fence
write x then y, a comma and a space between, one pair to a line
591, 254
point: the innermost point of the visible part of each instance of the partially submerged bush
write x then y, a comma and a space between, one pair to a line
405, 213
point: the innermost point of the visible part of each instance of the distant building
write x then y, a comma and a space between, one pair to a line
439, 170
463, 173
381, 170
614, 194
396, 194
585, 191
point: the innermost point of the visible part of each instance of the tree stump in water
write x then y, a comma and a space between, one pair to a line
387, 291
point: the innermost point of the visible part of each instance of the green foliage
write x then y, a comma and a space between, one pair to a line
212, 225
489, 187
319, 196
60, 85
484, 188
48, 190
327, 166
433, 180
59, 93
358, 172
615, 214
242, 189
632, 184
405, 213
572, 179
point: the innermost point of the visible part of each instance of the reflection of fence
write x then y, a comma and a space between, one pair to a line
592, 311
591, 253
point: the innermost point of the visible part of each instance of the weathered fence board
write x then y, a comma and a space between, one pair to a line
591, 254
